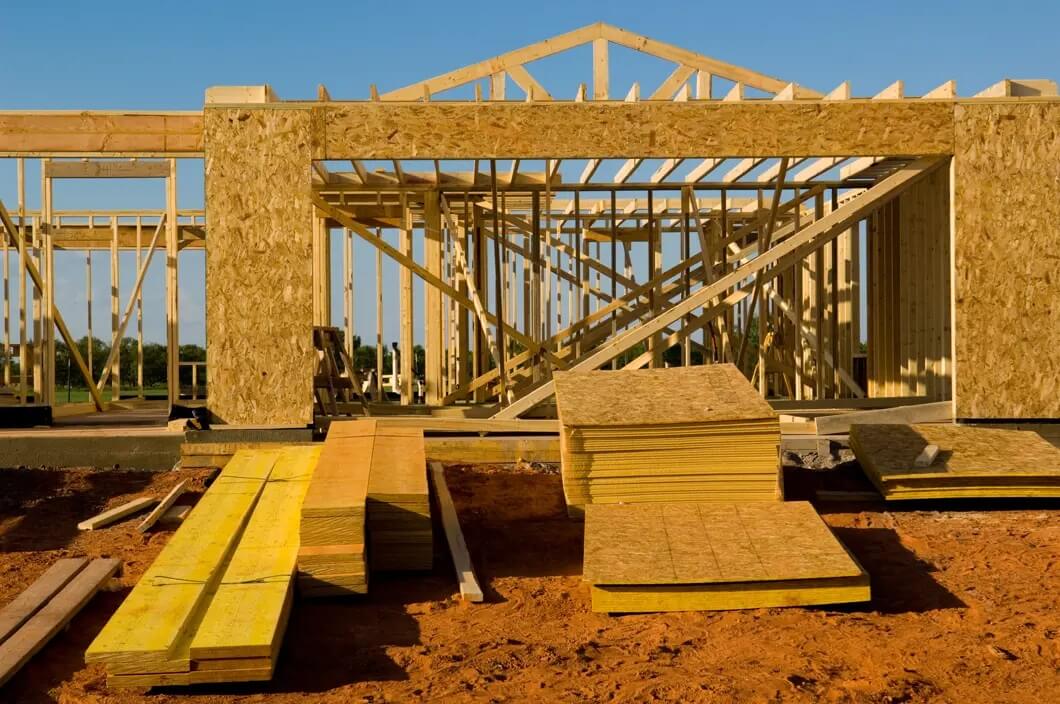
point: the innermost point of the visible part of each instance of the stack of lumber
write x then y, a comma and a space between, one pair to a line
971, 462
400, 537
213, 606
331, 559
698, 433
714, 556
398, 506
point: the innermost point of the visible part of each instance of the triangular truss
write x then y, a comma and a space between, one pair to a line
690, 68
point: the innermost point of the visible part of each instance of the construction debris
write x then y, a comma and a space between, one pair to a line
465, 572
116, 514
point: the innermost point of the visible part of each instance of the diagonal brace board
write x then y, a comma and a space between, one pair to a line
60, 323
796, 246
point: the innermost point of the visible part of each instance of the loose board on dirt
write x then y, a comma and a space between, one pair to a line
698, 433
715, 556
214, 604
971, 462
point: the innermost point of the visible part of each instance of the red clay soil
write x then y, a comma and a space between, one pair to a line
965, 609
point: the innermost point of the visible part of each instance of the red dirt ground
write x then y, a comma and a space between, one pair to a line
965, 609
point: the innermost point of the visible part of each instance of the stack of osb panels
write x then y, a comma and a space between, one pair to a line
715, 556
972, 462
698, 433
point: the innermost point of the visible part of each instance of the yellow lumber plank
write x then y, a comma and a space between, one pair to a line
150, 630
247, 613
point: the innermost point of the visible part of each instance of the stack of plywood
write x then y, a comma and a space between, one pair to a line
399, 510
715, 556
971, 462
331, 559
213, 606
698, 433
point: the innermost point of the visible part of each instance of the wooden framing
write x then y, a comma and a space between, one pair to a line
528, 267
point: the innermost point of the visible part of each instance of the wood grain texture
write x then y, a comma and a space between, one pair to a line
1007, 204
85, 133
37, 594
259, 272
380, 130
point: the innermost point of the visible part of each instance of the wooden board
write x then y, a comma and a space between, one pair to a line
248, 612
689, 556
971, 461
37, 594
259, 271
117, 513
709, 393
163, 506
1006, 207
151, 630
919, 413
465, 572
54, 616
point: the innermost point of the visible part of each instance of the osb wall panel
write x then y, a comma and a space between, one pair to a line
1007, 234
909, 292
259, 266
379, 130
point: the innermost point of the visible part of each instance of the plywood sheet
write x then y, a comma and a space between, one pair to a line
1007, 226
964, 452
382, 130
259, 271
710, 393
700, 543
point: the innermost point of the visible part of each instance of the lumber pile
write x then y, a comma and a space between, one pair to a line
698, 433
332, 559
397, 504
970, 462
715, 556
213, 606
400, 536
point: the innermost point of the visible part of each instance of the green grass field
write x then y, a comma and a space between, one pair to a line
76, 395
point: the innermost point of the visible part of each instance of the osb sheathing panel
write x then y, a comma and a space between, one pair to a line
1007, 231
259, 269
379, 130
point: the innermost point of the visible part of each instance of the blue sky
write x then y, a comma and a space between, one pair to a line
120, 55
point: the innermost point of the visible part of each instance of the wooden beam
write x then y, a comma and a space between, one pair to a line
601, 75
465, 571
106, 169
99, 133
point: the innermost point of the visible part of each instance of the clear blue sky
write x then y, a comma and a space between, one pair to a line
122, 55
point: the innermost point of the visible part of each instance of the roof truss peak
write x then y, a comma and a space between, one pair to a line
689, 66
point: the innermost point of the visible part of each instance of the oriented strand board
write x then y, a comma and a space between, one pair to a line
971, 461
709, 393
1007, 205
691, 556
259, 271
382, 130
